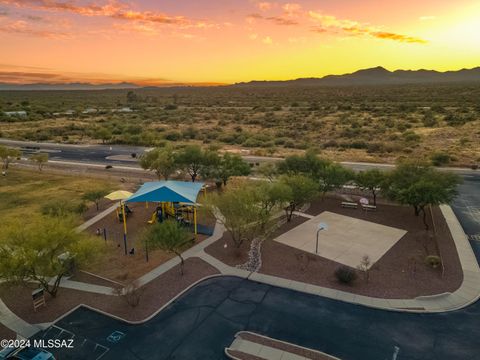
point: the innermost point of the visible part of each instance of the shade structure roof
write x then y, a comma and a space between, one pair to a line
119, 195
167, 191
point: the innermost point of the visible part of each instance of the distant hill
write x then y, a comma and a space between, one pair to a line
67, 86
373, 76
379, 76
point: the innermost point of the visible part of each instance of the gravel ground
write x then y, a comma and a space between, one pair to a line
232, 256
115, 265
291, 348
153, 296
400, 273
6, 333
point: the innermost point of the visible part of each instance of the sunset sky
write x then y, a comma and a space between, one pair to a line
226, 41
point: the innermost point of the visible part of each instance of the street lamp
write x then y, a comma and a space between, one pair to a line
320, 227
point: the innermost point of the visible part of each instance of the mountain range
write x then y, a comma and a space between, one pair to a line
372, 76
379, 76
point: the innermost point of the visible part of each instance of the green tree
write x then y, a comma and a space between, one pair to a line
231, 165
192, 158
43, 249
303, 190
333, 176
210, 164
370, 180
168, 236
328, 175
240, 212
95, 196
308, 164
419, 185
103, 134
273, 196
162, 161
268, 170
8, 155
40, 159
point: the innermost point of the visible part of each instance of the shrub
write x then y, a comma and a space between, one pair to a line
410, 136
62, 208
173, 136
433, 261
440, 158
429, 120
345, 275
131, 293
455, 119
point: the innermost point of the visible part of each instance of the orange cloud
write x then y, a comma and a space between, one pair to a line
292, 8
264, 5
22, 27
330, 23
113, 9
397, 37
282, 20
291, 12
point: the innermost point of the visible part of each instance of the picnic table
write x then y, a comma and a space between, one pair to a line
351, 205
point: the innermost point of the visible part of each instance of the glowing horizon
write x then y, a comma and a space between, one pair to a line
226, 41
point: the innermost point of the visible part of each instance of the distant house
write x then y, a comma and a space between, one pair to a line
89, 111
16, 113
67, 113
123, 110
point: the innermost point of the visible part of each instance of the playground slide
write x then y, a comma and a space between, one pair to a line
153, 220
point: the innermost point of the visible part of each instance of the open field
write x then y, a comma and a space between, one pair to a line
379, 123
24, 193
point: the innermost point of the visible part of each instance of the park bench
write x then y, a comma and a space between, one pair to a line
350, 205
369, 207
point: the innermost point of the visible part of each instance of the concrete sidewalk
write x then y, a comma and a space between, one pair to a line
97, 218
14, 323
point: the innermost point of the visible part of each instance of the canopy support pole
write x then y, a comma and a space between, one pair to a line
195, 220
124, 228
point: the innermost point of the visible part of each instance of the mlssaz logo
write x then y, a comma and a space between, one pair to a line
53, 343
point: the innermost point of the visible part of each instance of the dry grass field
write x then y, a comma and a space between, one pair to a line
26, 193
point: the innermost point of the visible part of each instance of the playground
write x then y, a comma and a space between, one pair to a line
122, 229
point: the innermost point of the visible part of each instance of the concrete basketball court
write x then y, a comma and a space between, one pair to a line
346, 240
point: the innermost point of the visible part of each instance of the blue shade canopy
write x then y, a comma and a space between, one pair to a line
167, 191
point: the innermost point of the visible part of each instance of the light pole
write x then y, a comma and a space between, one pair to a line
320, 227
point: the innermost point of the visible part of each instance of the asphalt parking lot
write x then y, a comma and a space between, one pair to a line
202, 322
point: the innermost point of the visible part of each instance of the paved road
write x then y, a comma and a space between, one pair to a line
467, 205
81, 153
201, 323
99, 154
